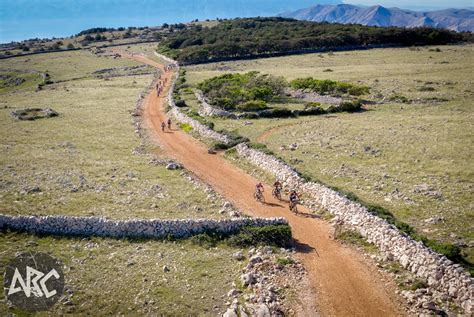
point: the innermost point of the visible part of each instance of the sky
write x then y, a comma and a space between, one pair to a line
25, 19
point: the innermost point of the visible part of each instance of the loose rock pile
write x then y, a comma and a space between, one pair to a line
264, 281
445, 279
136, 228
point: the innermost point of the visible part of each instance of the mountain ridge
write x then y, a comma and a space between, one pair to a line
459, 20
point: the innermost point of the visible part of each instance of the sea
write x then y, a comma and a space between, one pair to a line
26, 19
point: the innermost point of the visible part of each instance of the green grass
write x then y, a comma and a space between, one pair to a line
355, 238
92, 267
82, 160
83, 164
383, 154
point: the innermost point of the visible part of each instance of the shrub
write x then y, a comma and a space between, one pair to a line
253, 105
206, 240
285, 261
350, 106
186, 127
277, 113
426, 88
312, 109
247, 92
219, 146
329, 86
181, 103
273, 235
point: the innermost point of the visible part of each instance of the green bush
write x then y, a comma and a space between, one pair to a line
186, 127
327, 86
285, 261
274, 235
247, 92
181, 103
252, 105
219, 146
206, 240
312, 109
277, 113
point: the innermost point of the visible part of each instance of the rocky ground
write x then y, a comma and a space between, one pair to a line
273, 283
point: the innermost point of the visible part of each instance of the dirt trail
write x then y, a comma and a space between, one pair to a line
343, 281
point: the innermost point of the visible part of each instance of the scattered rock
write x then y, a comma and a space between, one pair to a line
247, 279
239, 256
34, 113
173, 166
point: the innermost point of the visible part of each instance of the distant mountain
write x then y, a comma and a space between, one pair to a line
453, 19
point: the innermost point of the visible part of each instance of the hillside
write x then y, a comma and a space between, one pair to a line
453, 19
258, 37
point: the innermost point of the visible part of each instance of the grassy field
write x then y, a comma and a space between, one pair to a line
411, 152
99, 271
81, 163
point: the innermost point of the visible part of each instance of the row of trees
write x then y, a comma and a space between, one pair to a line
249, 37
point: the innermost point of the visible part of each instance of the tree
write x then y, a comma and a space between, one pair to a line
70, 46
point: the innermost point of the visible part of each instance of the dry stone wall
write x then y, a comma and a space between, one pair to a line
444, 278
206, 110
135, 228
446, 281
183, 118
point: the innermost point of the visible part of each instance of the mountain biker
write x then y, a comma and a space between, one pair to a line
277, 185
293, 198
169, 123
163, 126
259, 188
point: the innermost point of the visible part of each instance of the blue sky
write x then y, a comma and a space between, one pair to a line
24, 19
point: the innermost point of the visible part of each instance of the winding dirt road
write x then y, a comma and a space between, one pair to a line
344, 283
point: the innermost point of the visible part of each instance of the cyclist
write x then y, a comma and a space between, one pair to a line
277, 187
293, 200
163, 125
169, 123
259, 188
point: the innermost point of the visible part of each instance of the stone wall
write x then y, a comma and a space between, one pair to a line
447, 281
135, 228
444, 278
206, 110
183, 118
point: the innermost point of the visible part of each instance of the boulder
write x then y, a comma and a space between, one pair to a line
230, 312
247, 279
